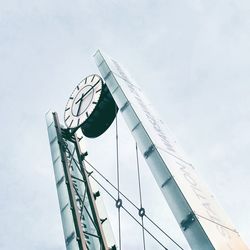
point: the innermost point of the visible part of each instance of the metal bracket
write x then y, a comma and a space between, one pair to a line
166, 182
84, 155
124, 106
96, 194
149, 151
69, 134
185, 224
103, 220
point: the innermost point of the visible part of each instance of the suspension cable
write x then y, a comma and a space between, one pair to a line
118, 201
128, 212
146, 216
142, 210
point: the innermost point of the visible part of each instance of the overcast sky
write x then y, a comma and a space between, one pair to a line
192, 59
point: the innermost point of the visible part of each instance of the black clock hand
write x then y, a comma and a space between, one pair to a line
79, 107
79, 99
83, 95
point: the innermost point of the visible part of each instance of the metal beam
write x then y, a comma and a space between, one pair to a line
203, 222
76, 217
91, 198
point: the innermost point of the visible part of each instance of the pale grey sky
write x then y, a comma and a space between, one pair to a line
192, 59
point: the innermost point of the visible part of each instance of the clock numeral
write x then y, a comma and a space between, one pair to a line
71, 97
78, 121
67, 109
92, 78
85, 81
87, 114
70, 123
77, 87
94, 102
98, 90
67, 118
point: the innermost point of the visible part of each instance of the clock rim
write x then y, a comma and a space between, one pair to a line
70, 102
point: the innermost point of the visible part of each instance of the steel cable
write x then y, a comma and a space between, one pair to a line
128, 212
121, 193
118, 201
140, 195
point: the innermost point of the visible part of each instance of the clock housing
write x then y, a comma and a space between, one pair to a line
91, 107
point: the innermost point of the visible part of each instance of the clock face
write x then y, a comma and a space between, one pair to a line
83, 101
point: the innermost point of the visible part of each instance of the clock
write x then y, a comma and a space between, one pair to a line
83, 101
90, 107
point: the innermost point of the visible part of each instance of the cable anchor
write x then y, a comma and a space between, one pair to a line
118, 203
141, 212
